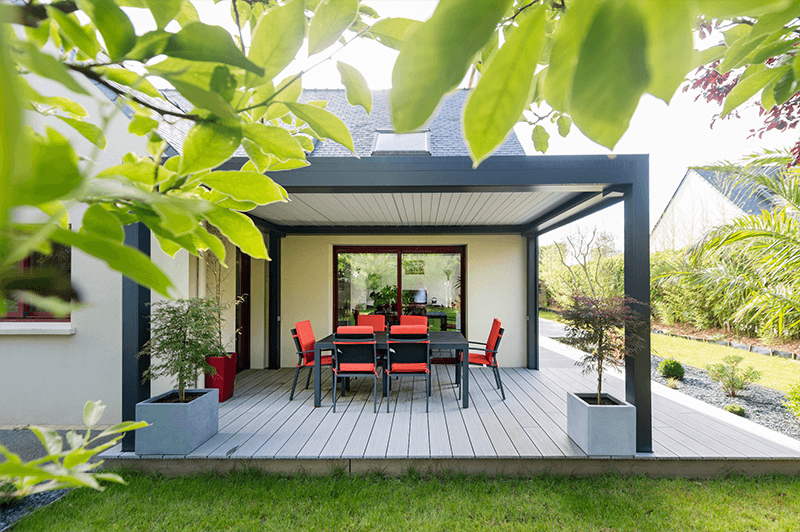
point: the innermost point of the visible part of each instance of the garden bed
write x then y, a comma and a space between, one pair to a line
762, 405
776, 347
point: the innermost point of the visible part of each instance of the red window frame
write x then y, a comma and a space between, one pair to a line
28, 313
400, 250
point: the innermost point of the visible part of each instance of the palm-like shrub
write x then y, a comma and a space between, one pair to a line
793, 400
731, 378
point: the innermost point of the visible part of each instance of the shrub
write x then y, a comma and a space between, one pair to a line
734, 409
793, 400
671, 369
730, 377
672, 383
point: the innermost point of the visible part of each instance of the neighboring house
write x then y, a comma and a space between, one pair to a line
409, 215
703, 200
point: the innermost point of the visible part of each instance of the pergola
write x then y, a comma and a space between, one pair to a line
504, 195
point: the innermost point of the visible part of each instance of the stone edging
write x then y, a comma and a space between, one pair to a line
746, 347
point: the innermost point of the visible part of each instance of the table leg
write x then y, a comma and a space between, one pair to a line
464, 357
317, 374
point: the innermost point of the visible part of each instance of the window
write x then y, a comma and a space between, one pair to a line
59, 260
387, 142
426, 281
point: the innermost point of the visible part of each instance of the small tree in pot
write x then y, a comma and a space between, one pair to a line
183, 333
597, 327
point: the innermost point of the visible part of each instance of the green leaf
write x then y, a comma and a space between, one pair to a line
502, 92
194, 72
99, 221
130, 79
177, 220
113, 24
201, 42
149, 45
541, 138
437, 55
142, 125
669, 45
785, 87
246, 186
71, 27
355, 86
92, 412
725, 9
564, 123
330, 20
324, 123
53, 174
289, 89
207, 145
223, 200
277, 38
256, 155
164, 11
611, 74
747, 87
393, 32
128, 261
569, 36
141, 171
51, 441
738, 53
203, 98
274, 140
14, 149
212, 243
240, 230
89, 131
709, 55
187, 14
768, 96
291, 164
47, 67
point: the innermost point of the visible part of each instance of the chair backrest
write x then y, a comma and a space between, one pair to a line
303, 336
495, 335
354, 345
410, 344
376, 321
406, 319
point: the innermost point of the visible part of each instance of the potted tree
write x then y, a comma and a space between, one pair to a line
598, 422
183, 334
224, 374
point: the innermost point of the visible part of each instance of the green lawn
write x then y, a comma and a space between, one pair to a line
777, 372
252, 501
549, 315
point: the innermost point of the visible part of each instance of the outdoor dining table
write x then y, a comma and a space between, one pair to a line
445, 340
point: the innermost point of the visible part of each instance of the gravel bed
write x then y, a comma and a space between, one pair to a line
13, 512
762, 405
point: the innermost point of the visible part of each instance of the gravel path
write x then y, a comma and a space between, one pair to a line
762, 405
11, 513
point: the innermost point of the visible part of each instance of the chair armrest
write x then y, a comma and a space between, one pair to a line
484, 350
476, 343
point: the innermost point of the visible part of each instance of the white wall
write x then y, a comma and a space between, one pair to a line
496, 276
696, 208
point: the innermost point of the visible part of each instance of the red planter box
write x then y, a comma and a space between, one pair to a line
225, 376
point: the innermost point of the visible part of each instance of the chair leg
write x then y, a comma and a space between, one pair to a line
428, 395
388, 390
335, 380
500, 382
308, 379
375, 394
496, 377
296, 373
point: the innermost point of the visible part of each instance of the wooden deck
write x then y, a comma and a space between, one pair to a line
525, 434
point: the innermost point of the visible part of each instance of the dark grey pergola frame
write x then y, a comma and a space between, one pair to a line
625, 178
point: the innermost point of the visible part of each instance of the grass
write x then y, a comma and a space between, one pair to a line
249, 500
549, 315
776, 372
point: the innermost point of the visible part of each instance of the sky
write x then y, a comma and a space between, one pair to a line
676, 136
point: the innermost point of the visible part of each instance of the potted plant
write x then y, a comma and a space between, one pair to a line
183, 334
598, 422
224, 375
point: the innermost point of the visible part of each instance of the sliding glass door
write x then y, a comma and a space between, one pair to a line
392, 281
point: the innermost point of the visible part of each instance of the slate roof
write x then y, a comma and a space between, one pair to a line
445, 126
752, 200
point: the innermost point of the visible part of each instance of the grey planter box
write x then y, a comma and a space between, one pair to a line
605, 430
177, 428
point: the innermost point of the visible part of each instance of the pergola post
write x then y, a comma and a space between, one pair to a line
274, 318
533, 301
135, 333
637, 286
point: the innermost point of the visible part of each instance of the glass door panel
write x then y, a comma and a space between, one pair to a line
366, 284
431, 286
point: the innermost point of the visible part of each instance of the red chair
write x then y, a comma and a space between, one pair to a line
489, 355
414, 320
355, 355
304, 341
409, 354
376, 321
